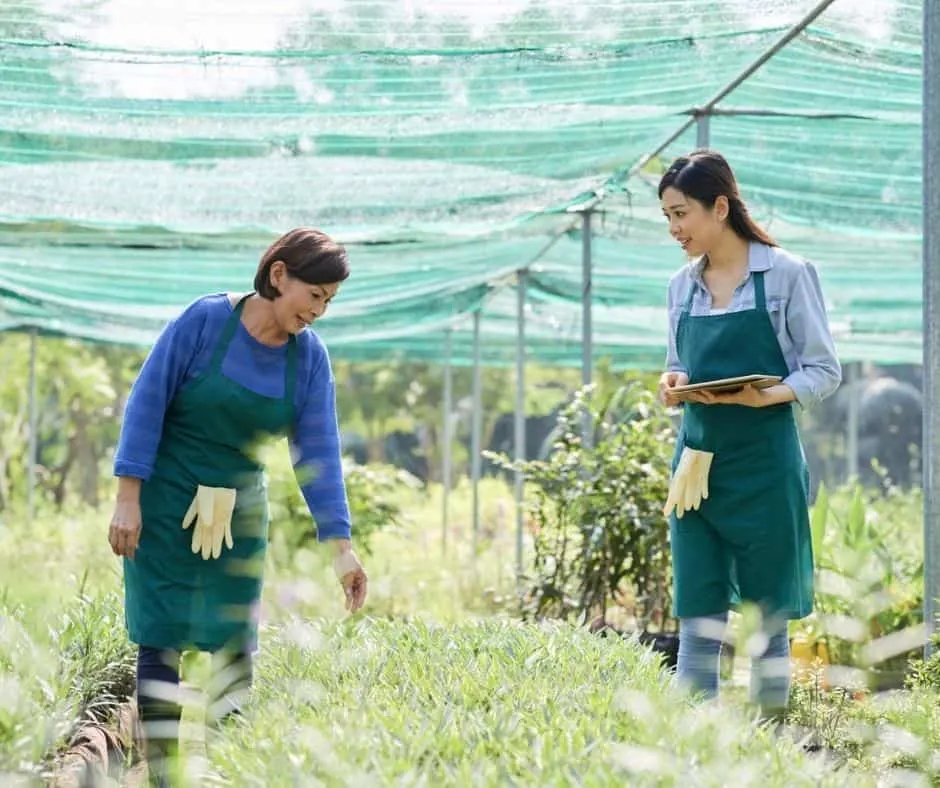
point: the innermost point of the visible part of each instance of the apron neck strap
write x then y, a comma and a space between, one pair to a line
760, 300
228, 331
688, 299
290, 377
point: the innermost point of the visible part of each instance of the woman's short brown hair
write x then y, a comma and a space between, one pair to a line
308, 255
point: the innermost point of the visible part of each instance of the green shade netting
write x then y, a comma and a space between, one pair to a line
148, 155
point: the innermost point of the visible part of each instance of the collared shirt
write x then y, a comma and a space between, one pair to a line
797, 311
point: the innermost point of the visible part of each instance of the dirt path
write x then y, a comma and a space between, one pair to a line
98, 754
107, 755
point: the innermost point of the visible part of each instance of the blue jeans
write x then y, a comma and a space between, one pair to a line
698, 669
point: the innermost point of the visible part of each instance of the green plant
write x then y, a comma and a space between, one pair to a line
77, 672
821, 711
869, 570
925, 673
425, 688
596, 512
399, 702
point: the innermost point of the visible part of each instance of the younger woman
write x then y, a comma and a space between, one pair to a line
741, 306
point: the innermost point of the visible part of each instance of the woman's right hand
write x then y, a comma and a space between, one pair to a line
124, 533
668, 381
351, 575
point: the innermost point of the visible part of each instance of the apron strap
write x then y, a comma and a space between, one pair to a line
228, 331
290, 380
688, 301
760, 300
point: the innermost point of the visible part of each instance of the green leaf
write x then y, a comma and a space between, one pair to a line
819, 516
856, 523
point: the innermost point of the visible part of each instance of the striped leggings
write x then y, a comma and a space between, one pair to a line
698, 669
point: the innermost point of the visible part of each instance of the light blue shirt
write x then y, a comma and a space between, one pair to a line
797, 312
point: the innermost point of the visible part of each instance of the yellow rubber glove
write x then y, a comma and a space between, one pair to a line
697, 485
222, 520
704, 466
210, 514
677, 487
199, 515
689, 484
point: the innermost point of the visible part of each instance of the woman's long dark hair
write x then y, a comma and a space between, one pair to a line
705, 175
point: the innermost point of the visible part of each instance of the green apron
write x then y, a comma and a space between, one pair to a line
750, 539
172, 597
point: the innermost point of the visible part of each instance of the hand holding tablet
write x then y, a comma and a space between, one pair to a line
726, 385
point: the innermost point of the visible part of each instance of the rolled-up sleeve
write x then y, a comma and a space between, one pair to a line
672, 306
819, 372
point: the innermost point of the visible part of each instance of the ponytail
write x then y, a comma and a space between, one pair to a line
743, 225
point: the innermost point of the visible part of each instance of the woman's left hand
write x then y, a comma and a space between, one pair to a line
748, 396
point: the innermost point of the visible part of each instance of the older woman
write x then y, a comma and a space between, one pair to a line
191, 517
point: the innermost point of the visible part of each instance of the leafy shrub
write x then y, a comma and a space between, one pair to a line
869, 567
596, 512
371, 490
925, 673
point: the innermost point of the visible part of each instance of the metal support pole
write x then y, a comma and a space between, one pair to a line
931, 429
703, 131
446, 449
854, 379
587, 331
792, 33
476, 430
33, 450
519, 424
764, 112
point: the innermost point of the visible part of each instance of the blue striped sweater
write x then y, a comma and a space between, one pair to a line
184, 349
